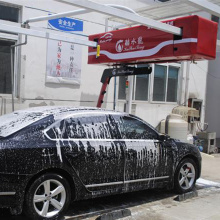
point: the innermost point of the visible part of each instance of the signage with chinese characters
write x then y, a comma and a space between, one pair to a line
64, 59
66, 24
129, 44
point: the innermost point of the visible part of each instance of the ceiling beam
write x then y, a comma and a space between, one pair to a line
107, 10
58, 15
205, 6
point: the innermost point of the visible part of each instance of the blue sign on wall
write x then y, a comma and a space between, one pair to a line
66, 24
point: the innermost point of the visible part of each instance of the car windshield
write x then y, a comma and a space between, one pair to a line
15, 121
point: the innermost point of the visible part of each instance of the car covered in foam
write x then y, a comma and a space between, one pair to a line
52, 155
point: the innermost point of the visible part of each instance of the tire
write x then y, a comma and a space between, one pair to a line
185, 176
47, 198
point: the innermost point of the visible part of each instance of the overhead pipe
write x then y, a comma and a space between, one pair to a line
12, 69
187, 83
2, 104
75, 12
129, 94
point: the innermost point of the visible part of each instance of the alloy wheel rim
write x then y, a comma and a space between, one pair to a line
186, 176
49, 198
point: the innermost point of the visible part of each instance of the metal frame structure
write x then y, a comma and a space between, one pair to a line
12, 49
27, 30
206, 6
107, 10
110, 10
75, 12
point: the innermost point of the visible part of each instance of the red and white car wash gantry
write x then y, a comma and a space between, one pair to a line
141, 44
180, 39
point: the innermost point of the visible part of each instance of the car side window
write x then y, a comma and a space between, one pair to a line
115, 125
136, 129
84, 127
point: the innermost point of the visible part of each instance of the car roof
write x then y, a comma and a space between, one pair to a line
20, 119
65, 110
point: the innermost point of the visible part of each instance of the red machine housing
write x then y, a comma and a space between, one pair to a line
141, 44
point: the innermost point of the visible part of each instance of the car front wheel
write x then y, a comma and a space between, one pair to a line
48, 197
185, 176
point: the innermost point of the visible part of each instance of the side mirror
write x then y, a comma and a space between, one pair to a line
164, 137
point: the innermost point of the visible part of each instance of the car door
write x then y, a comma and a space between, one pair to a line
89, 143
147, 158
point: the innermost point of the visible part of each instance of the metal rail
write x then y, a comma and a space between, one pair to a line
72, 13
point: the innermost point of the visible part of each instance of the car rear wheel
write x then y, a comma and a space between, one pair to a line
185, 176
48, 197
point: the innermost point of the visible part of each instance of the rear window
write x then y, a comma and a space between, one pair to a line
15, 121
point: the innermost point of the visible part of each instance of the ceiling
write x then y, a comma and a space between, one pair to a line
163, 10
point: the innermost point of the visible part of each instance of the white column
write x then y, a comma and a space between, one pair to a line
129, 94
